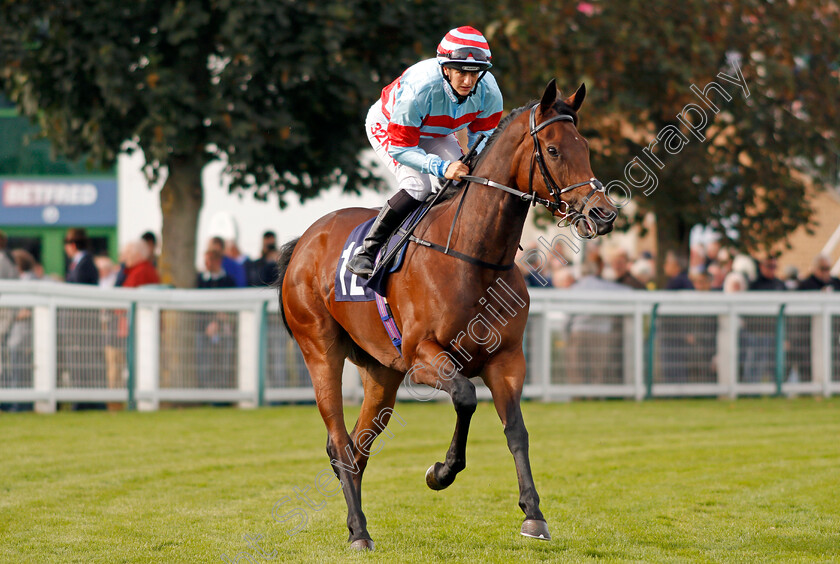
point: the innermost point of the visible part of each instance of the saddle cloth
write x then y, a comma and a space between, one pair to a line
351, 288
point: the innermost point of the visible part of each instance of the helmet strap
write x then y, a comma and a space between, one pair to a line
477, 82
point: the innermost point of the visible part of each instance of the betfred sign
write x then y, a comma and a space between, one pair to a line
37, 194
71, 202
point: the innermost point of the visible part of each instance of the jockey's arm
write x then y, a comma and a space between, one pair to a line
417, 158
428, 163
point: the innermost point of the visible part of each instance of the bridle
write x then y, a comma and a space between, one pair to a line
556, 192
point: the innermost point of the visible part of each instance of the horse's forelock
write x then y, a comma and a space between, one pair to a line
563, 108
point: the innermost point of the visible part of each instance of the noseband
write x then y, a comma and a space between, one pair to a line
556, 192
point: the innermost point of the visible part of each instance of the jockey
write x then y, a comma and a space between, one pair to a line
412, 128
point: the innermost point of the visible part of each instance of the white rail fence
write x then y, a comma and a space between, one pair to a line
143, 347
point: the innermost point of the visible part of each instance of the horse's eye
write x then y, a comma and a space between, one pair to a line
552, 150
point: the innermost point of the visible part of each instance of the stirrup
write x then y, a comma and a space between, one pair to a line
361, 270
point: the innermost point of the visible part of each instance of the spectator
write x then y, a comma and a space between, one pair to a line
757, 340
19, 340
791, 278
595, 350
151, 243
8, 270
562, 276
139, 270
820, 278
719, 268
712, 250
263, 271
675, 269
108, 271
79, 333
724, 259
214, 275
269, 270
766, 279
26, 264
82, 269
642, 270
716, 276
230, 266
215, 346
241, 263
735, 282
533, 267
621, 269
746, 266
701, 279
697, 257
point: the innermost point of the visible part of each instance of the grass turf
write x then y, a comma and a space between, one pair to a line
662, 481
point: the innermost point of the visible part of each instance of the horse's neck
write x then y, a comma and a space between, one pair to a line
490, 222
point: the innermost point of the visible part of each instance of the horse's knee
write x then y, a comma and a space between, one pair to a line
463, 396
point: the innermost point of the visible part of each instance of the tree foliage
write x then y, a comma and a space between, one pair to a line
278, 89
639, 59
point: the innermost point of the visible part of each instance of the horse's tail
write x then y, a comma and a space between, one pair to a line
283, 261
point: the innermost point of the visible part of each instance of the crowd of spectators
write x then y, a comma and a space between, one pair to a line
591, 345
708, 268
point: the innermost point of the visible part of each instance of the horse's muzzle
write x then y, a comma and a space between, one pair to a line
603, 219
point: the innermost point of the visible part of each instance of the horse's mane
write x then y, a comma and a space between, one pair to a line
560, 107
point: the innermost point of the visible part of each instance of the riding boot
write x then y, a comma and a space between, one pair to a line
392, 214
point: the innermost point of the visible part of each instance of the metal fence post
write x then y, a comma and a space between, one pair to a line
780, 349
651, 349
263, 354
130, 354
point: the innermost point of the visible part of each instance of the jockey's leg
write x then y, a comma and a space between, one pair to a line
390, 217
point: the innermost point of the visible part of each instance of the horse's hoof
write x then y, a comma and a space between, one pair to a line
535, 529
431, 481
362, 545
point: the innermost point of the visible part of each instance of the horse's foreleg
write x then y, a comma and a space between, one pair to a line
380, 385
505, 378
462, 392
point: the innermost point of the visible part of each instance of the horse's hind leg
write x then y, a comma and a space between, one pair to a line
462, 392
325, 346
505, 377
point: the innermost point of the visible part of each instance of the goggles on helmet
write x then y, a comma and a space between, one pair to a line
468, 59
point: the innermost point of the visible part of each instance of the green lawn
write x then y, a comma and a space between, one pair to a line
664, 481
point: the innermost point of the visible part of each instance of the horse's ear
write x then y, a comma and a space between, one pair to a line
575, 101
549, 96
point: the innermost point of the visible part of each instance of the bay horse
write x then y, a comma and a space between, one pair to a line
435, 296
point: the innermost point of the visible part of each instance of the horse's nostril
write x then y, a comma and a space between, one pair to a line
602, 216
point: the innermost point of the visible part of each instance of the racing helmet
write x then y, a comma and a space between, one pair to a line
465, 49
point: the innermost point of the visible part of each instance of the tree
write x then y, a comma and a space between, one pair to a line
277, 89
640, 58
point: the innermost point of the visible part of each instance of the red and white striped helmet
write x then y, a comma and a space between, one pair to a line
466, 49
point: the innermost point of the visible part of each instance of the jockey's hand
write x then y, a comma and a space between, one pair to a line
456, 170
